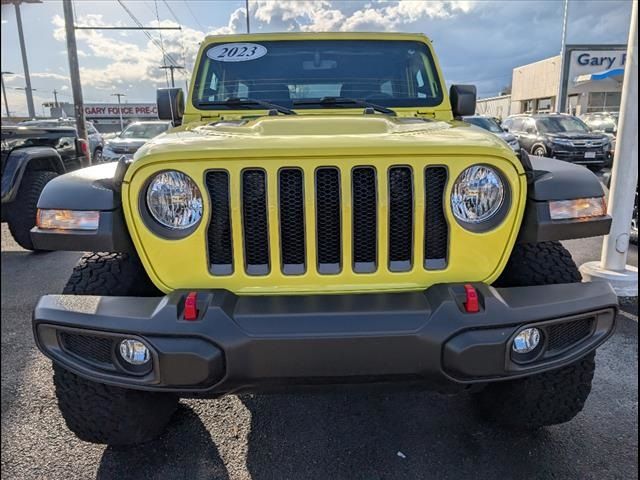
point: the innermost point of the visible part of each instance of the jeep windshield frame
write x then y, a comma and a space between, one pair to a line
300, 73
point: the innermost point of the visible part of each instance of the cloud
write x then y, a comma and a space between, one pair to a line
120, 61
476, 41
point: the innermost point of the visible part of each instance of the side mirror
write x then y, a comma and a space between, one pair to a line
463, 100
170, 103
506, 129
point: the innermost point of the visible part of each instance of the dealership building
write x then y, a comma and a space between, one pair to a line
590, 75
106, 116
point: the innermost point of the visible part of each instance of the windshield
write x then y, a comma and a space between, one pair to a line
602, 124
486, 123
144, 130
561, 125
387, 73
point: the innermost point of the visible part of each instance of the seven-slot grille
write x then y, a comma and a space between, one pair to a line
390, 203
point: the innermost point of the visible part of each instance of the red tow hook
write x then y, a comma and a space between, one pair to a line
471, 305
190, 306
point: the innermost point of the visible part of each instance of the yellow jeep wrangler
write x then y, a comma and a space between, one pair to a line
319, 216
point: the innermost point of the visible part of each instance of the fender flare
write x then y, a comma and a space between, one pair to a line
21, 159
92, 188
551, 180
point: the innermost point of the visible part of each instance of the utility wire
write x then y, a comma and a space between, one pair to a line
194, 16
171, 12
164, 54
186, 70
155, 42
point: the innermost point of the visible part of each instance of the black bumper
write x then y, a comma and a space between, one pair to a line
578, 157
251, 343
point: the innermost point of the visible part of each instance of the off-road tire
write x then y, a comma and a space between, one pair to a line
546, 398
545, 263
21, 213
100, 413
114, 274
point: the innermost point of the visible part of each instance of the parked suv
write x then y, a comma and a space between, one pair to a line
320, 218
560, 136
490, 124
31, 157
136, 134
603, 122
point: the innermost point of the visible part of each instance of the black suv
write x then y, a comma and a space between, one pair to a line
31, 157
560, 136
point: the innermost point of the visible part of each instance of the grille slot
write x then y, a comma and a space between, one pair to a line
88, 347
400, 218
328, 232
291, 198
254, 222
219, 232
564, 335
436, 236
365, 219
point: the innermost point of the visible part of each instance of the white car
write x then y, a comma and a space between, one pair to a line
127, 142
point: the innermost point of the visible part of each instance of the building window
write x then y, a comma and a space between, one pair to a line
528, 106
544, 105
604, 101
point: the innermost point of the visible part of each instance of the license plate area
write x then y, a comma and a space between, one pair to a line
589, 154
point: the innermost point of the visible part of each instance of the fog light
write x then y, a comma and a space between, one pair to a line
134, 352
527, 340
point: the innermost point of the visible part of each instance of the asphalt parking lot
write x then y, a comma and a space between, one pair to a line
368, 435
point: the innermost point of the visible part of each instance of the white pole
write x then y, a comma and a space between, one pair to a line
563, 42
624, 181
625, 163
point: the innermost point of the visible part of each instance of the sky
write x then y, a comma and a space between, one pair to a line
476, 41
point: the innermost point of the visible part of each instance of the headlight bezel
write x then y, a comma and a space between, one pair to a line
154, 224
498, 217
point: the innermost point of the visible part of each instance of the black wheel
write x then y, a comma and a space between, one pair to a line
116, 274
547, 398
21, 214
539, 151
97, 156
545, 263
100, 413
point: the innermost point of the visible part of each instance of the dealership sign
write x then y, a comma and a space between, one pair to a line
112, 110
595, 63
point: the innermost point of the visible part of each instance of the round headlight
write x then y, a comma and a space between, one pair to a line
477, 194
174, 200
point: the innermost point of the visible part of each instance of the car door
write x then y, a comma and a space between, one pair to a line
514, 126
529, 134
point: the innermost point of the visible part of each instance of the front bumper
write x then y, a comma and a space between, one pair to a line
580, 156
252, 343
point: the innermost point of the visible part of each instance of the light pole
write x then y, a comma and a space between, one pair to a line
119, 108
4, 92
612, 266
23, 51
560, 93
32, 90
74, 73
246, 7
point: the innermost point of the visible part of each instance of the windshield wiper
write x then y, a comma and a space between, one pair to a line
345, 101
244, 102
